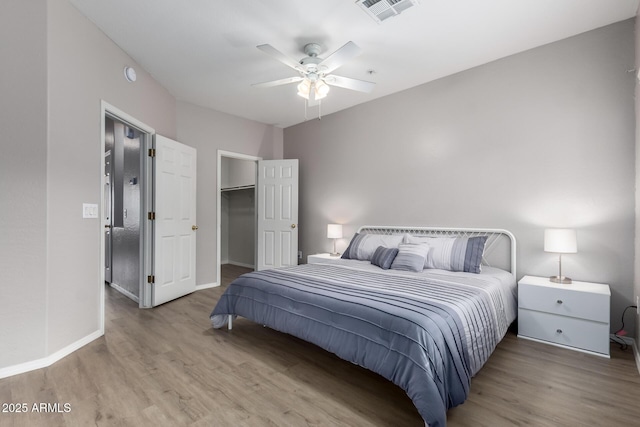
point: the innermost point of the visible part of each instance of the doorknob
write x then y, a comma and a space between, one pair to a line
293, 226
194, 227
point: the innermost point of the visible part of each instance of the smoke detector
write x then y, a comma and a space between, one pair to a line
380, 10
130, 74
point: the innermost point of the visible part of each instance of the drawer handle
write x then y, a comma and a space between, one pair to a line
559, 331
559, 301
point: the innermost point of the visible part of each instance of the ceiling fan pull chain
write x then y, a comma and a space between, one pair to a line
319, 110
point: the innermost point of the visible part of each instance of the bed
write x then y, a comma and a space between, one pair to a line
427, 320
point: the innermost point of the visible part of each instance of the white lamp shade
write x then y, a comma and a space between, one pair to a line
322, 89
334, 231
560, 240
303, 88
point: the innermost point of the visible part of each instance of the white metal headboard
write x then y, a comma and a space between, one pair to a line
499, 251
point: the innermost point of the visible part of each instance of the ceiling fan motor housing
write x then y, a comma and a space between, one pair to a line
312, 49
310, 62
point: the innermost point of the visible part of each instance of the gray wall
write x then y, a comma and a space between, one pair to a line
23, 180
61, 67
540, 139
237, 172
242, 223
51, 164
84, 66
209, 131
237, 228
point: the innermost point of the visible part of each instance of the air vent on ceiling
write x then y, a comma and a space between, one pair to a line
384, 9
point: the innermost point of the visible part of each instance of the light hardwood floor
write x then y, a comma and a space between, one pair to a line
168, 367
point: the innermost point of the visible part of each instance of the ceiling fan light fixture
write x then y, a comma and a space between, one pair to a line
322, 89
304, 88
315, 74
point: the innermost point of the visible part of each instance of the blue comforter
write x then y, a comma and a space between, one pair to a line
427, 333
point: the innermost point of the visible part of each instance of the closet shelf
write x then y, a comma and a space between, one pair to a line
240, 187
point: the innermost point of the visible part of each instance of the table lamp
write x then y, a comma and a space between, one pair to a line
560, 241
334, 231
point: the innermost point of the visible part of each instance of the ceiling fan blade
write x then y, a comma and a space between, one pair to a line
275, 53
279, 82
345, 53
349, 83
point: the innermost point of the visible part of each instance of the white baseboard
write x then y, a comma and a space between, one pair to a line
49, 360
216, 284
21, 368
207, 286
125, 292
53, 358
239, 264
636, 351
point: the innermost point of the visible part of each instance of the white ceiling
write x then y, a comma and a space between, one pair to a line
204, 51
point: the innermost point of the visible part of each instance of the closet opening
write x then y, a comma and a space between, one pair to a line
237, 218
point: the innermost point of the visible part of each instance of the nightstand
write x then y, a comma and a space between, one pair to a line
575, 315
321, 259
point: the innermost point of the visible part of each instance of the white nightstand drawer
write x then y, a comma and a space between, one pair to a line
566, 302
568, 331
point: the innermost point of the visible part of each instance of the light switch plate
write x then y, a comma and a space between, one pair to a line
89, 210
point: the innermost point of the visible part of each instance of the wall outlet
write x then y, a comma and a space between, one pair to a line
299, 254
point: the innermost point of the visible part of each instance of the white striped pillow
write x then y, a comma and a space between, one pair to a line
411, 257
453, 253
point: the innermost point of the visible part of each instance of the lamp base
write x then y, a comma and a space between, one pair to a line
335, 254
560, 279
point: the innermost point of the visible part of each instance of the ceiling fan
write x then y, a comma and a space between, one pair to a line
315, 73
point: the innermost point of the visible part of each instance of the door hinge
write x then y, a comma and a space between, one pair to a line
151, 216
152, 152
151, 279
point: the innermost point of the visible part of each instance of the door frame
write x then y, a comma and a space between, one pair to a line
108, 110
233, 155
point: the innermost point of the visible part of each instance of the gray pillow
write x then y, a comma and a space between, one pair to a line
383, 257
362, 246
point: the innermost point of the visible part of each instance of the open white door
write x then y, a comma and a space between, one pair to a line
277, 213
175, 221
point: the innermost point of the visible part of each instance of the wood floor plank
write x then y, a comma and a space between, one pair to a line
168, 367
